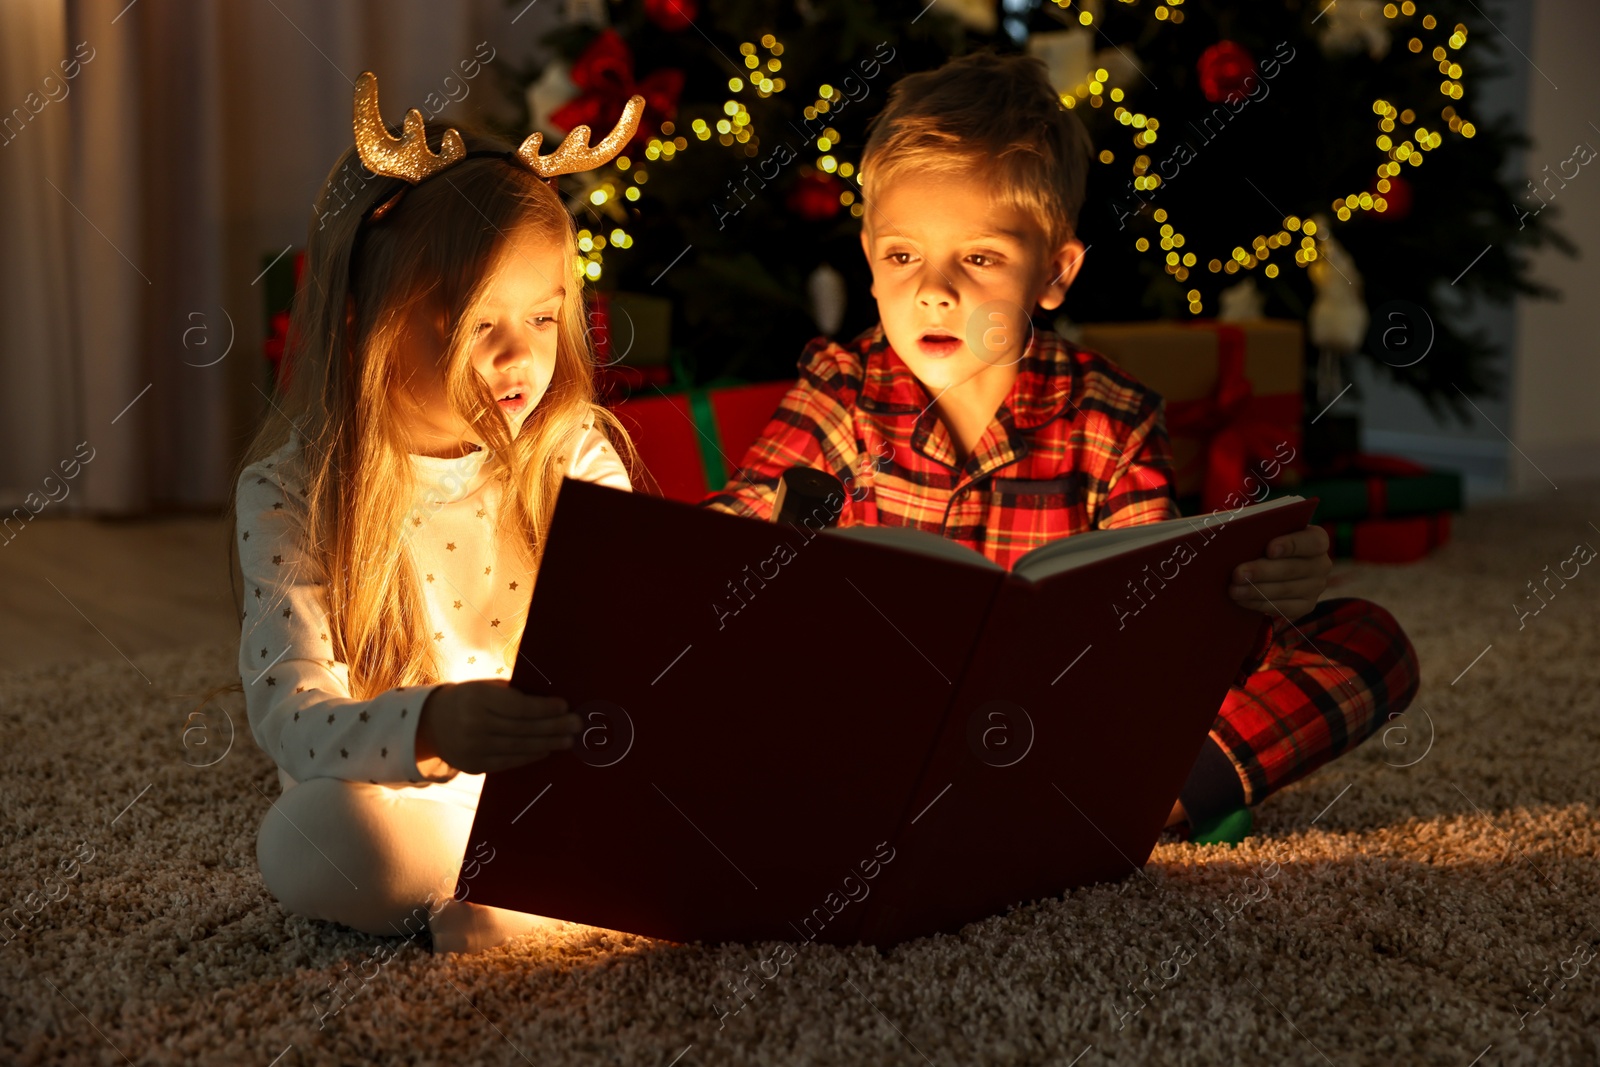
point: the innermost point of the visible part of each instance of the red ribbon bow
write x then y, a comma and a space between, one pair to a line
1241, 427
605, 74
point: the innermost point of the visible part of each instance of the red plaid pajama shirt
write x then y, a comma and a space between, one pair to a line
1077, 445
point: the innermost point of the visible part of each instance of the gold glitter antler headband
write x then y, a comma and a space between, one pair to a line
574, 153
408, 156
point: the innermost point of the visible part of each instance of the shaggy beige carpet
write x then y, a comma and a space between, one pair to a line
1429, 899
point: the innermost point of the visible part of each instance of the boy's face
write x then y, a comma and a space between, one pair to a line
957, 274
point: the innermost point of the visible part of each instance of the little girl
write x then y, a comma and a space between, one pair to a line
392, 513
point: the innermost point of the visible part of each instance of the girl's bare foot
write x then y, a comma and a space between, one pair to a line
460, 926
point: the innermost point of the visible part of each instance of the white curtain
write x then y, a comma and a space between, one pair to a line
140, 198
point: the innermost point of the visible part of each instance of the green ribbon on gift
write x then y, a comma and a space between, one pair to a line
705, 421
705, 424
1344, 540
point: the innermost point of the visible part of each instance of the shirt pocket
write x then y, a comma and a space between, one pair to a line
1030, 512
1070, 486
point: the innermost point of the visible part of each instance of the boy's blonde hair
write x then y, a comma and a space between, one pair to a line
998, 114
363, 278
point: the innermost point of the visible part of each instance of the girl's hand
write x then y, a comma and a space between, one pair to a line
1291, 578
486, 725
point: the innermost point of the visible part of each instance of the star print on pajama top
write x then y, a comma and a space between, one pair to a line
475, 613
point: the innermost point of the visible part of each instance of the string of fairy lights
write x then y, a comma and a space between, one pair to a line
1399, 151
1400, 139
734, 128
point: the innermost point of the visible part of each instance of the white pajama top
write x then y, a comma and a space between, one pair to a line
297, 693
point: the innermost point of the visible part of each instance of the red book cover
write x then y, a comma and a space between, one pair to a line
801, 735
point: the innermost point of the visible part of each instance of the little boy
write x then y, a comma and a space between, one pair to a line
954, 416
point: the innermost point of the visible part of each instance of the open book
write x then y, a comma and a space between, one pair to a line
866, 734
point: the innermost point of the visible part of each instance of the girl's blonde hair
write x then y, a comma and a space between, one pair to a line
362, 280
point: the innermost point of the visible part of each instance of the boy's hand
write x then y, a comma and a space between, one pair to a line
1291, 578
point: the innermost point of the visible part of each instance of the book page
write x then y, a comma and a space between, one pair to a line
1094, 545
920, 542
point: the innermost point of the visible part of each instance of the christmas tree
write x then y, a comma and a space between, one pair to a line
1328, 153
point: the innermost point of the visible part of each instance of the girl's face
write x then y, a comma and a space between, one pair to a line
513, 348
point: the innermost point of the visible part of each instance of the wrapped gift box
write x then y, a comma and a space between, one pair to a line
1388, 540
1234, 394
1377, 487
692, 442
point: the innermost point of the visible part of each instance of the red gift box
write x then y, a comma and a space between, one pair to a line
1388, 540
1385, 539
691, 443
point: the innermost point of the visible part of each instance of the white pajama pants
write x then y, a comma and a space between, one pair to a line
383, 859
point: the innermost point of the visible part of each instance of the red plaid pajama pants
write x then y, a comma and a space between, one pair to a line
1313, 689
